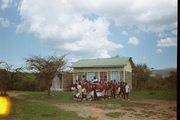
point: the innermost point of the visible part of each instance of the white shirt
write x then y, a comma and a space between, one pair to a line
127, 88
95, 80
79, 87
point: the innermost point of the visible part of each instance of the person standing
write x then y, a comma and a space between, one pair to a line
75, 89
83, 79
114, 89
79, 95
95, 80
123, 90
126, 92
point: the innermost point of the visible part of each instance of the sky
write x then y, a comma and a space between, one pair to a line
145, 30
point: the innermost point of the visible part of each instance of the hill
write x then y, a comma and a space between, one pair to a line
164, 72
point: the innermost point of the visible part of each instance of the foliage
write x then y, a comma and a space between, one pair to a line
172, 80
141, 73
46, 68
8, 77
158, 82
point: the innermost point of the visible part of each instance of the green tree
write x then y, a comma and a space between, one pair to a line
172, 80
141, 73
46, 68
8, 77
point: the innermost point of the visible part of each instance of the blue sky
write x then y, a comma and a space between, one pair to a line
145, 30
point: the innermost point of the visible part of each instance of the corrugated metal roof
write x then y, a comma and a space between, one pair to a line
102, 62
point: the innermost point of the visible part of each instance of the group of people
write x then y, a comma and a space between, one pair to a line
99, 90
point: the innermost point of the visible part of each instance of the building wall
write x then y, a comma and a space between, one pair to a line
62, 82
125, 74
128, 79
128, 67
67, 81
56, 84
96, 72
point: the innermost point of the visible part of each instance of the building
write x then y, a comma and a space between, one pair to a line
105, 69
62, 82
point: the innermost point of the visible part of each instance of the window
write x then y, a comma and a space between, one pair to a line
90, 76
103, 76
115, 76
80, 75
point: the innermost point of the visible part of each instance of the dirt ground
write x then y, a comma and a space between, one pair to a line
158, 110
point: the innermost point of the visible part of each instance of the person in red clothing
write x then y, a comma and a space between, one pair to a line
94, 89
102, 91
117, 89
84, 91
75, 90
106, 87
88, 91
83, 79
114, 89
121, 90
98, 90
109, 89
91, 91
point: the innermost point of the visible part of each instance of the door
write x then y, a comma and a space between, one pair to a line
103, 76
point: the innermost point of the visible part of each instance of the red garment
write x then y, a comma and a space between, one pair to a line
114, 84
101, 88
106, 87
97, 87
74, 85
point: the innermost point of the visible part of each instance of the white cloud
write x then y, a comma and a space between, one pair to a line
4, 22
133, 41
5, 4
159, 51
64, 25
167, 42
148, 15
124, 33
67, 29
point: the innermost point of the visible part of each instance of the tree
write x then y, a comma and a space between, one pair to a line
8, 77
141, 73
172, 80
46, 68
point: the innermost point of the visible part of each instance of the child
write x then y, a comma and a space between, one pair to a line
126, 91
75, 89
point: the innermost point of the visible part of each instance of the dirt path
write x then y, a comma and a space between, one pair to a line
159, 110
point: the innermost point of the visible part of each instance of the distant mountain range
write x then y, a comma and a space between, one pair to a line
164, 72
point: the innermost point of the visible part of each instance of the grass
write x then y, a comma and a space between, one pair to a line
129, 109
162, 95
25, 110
66, 96
22, 109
